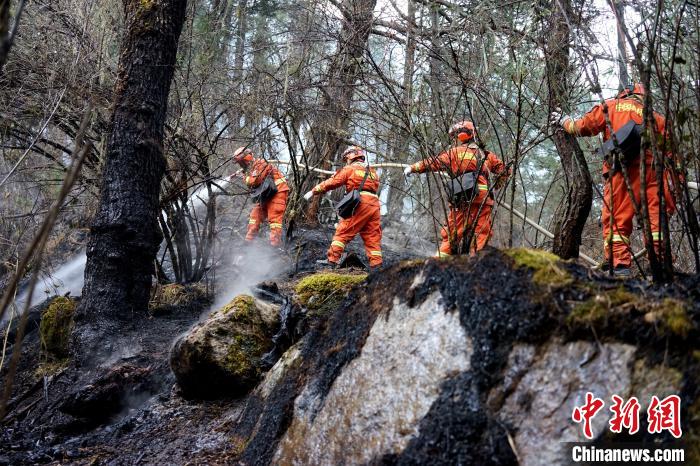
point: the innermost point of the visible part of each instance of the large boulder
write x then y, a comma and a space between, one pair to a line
221, 356
471, 361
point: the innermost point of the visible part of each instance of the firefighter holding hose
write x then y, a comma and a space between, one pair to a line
269, 190
470, 199
626, 115
363, 214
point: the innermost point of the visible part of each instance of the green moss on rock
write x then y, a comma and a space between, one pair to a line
596, 310
671, 316
242, 305
545, 266
222, 355
323, 292
176, 295
55, 328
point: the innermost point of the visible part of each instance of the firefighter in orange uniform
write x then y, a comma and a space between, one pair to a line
628, 105
463, 158
255, 171
366, 220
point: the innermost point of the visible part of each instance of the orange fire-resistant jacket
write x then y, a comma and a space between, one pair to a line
351, 177
466, 158
259, 170
620, 111
366, 220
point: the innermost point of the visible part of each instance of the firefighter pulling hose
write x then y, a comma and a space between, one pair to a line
624, 113
471, 199
359, 210
269, 190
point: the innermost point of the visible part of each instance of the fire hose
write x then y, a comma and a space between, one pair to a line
692, 185
504, 204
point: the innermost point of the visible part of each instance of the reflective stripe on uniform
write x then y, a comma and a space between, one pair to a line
375, 253
483, 187
618, 239
361, 173
467, 156
569, 126
275, 225
442, 254
340, 244
280, 181
318, 189
368, 193
656, 236
252, 221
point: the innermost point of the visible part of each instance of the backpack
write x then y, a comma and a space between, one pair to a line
463, 188
265, 191
347, 205
629, 143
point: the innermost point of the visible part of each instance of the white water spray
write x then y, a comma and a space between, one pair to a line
69, 277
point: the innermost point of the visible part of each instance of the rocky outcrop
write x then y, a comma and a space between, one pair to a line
473, 360
469, 361
221, 356
414, 350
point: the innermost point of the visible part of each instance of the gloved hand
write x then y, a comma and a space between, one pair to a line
408, 170
308, 196
557, 118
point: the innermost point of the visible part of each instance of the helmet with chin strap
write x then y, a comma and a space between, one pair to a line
353, 153
464, 131
243, 156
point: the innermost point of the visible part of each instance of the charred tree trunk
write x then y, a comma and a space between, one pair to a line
578, 196
329, 129
125, 236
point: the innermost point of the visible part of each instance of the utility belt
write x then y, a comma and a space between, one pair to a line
627, 149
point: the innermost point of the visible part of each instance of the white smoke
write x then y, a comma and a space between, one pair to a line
249, 265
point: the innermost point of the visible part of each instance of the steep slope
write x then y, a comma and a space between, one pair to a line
472, 360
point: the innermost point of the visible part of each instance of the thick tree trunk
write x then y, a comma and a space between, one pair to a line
329, 129
125, 236
574, 211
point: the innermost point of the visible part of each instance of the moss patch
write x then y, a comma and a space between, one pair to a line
55, 328
596, 310
545, 266
175, 295
243, 354
243, 307
671, 316
323, 292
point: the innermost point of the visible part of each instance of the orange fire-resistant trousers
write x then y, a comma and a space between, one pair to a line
367, 223
460, 221
623, 212
273, 212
